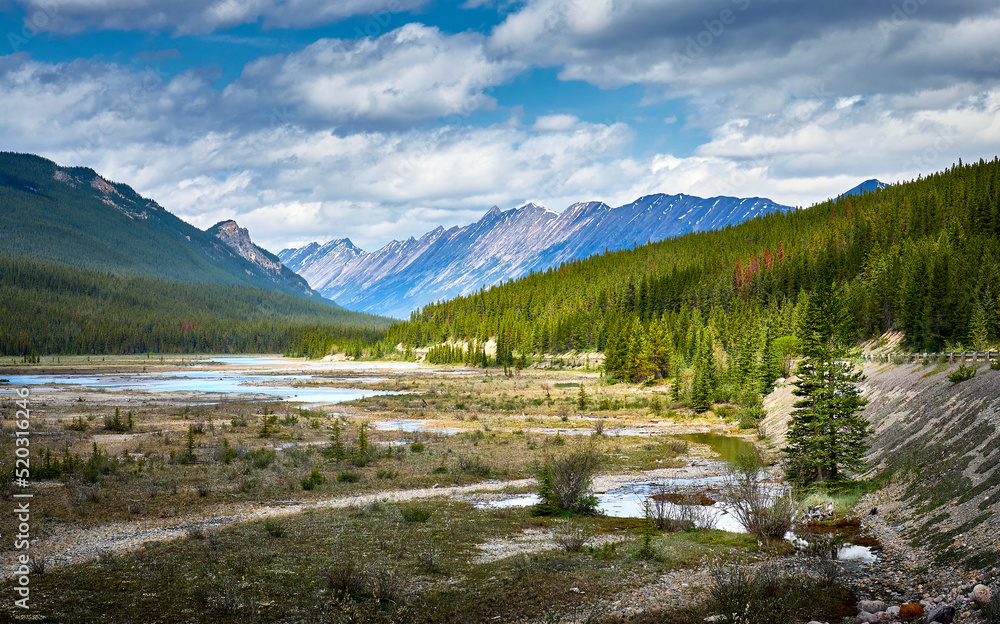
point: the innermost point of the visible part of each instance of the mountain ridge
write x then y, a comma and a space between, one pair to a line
75, 217
503, 244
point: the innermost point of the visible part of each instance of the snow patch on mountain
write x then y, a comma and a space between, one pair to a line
503, 245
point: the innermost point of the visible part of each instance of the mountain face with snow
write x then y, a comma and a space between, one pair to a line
868, 186
502, 245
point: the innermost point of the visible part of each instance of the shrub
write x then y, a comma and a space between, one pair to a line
78, 424
417, 447
348, 477
991, 611
429, 559
672, 510
564, 484
647, 551
763, 594
474, 466
765, 514
573, 539
225, 453
261, 458
387, 474
962, 373
415, 513
116, 423
274, 528
314, 479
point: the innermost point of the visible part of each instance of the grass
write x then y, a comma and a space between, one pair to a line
368, 561
845, 497
215, 574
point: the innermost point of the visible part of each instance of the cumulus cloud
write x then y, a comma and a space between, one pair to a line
410, 75
197, 17
694, 48
369, 138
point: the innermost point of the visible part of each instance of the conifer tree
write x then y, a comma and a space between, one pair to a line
827, 433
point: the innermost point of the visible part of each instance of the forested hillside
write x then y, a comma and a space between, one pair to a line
921, 257
49, 309
73, 216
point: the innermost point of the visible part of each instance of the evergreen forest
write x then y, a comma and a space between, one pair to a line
720, 311
54, 309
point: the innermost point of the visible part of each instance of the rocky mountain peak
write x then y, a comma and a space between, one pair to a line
237, 238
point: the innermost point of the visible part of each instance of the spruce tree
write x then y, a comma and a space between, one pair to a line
827, 433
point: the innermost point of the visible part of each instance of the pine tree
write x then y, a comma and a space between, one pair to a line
827, 432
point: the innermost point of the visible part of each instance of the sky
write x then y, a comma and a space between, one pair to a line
313, 120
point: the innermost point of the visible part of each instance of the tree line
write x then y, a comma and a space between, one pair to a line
53, 309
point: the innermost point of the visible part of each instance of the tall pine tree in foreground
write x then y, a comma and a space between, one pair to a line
827, 433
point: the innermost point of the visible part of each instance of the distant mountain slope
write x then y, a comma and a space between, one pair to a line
73, 216
503, 245
53, 308
868, 186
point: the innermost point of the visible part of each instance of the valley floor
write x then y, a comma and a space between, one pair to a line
246, 508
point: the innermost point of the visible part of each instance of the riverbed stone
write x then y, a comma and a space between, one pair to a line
893, 612
866, 618
910, 612
981, 594
944, 614
871, 606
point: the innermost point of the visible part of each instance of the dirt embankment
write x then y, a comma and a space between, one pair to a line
938, 445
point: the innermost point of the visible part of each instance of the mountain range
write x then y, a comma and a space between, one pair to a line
74, 217
503, 245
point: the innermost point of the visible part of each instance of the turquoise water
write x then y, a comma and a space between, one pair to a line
210, 383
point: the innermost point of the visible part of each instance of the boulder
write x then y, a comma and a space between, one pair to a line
871, 606
866, 618
910, 612
893, 612
943, 614
981, 595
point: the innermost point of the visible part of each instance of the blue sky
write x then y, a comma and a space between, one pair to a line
378, 119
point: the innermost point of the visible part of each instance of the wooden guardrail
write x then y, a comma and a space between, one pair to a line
916, 358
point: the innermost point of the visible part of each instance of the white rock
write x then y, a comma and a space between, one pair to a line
981, 595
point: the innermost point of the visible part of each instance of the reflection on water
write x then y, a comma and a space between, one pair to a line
238, 382
727, 447
410, 426
629, 500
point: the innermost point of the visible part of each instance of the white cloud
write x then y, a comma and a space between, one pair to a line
367, 139
412, 74
187, 17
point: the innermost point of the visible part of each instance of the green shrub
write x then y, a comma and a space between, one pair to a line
349, 477
763, 594
417, 447
78, 424
474, 466
991, 612
415, 513
962, 373
564, 484
314, 479
387, 474
274, 527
